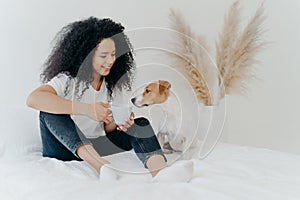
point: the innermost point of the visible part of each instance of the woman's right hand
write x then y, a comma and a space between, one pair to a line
100, 112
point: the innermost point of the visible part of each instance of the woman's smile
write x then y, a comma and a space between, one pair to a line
106, 68
104, 57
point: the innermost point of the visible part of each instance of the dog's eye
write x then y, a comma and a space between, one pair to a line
147, 91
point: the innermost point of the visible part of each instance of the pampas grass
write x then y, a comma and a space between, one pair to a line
191, 58
227, 39
235, 60
236, 49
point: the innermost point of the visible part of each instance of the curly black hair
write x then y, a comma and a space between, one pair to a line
74, 49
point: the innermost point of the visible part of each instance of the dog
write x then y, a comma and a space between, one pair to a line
158, 93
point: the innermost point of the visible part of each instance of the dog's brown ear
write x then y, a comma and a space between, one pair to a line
163, 85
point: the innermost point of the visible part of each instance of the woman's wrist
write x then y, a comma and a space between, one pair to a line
110, 127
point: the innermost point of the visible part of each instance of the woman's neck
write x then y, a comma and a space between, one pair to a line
96, 84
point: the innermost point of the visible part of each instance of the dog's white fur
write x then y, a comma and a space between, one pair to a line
169, 129
170, 126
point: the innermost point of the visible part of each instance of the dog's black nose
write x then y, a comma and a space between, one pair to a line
133, 100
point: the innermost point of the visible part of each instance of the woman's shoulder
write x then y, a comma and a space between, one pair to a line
60, 81
64, 84
63, 78
63, 75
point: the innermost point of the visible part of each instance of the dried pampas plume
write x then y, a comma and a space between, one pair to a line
236, 49
227, 39
191, 58
235, 52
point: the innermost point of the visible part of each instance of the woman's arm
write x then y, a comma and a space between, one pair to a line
109, 127
45, 98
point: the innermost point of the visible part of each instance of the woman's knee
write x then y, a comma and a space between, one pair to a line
50, 116
141, 121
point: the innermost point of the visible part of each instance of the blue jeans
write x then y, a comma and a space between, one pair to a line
61, 138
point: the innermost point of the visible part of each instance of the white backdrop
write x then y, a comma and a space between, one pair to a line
267, 117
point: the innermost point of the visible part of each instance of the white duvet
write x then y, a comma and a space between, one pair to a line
229, 172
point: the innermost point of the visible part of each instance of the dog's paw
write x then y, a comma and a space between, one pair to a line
167, 149
167, 145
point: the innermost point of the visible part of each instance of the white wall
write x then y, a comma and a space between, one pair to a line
267, 117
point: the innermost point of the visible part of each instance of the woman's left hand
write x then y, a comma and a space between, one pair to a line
128, 123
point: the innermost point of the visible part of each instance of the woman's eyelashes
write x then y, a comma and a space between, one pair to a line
104, 56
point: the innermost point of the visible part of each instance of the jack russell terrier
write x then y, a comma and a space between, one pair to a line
158, 93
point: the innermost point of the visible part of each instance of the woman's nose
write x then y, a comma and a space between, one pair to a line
110, 59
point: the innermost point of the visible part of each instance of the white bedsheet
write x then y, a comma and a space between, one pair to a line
229, 172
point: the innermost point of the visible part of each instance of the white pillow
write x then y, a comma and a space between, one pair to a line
19, 131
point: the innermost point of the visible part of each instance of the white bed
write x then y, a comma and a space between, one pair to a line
229, 172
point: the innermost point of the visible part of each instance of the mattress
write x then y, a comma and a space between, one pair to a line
229, 172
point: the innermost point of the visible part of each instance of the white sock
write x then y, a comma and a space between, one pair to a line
136, 177
107, 173
180, 171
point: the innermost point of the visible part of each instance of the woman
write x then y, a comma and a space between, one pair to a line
91, 61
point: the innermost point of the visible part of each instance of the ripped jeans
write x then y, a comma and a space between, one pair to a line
61, 138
